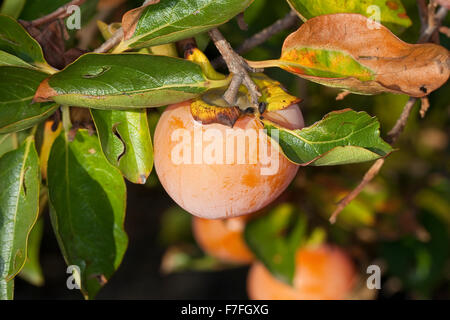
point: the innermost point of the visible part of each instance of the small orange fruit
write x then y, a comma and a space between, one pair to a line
322, 273
223, 239
216, 172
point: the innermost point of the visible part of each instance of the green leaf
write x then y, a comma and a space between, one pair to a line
11, 141
6, 290
7, 59
173, 20
274, 239
15, 40
12, 8
126, 81
17, 87
87, 197
32, 271
341, 137
392, 13
126, 141
19, 202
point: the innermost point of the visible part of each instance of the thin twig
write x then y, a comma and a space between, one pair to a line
59, 13
290, 20
241, 22
432, 23
400, 125
370, 174
115, 39
111, 42
238, 67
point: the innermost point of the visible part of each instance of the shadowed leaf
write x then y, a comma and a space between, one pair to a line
17, 87
274, 239
19, 203
87, 199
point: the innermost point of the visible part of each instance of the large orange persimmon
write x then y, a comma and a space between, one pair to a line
223, 239
322, 273
216, 172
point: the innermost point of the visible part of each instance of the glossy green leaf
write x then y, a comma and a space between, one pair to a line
15, 40
390, 13
7, 59
341, 137
12, 8
126, 141
32, 271
126, 81
87, 197
274, 239
11, 141
172, 20
17, 87
19, 202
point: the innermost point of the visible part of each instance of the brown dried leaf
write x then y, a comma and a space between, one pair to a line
351, 52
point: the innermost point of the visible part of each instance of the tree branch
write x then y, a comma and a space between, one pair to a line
290, 20
432, 21
238, 67
59, 13
115, 39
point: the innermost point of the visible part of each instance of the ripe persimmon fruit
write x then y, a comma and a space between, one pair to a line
223, 239
322, 273
228, 172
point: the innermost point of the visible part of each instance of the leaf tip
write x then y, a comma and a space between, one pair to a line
44, 93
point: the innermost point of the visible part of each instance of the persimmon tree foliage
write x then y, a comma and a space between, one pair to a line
74, 124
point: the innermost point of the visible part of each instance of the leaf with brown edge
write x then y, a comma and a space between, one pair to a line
168, 21
126, 81
207, 114
341, 137
351, 52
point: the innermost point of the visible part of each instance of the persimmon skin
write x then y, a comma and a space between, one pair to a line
217, 190
322, 273
223, 239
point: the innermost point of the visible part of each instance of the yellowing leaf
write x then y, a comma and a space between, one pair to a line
351, 52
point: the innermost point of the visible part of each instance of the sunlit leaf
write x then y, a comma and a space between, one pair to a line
351, 52
171, 20
126, 142
341, 137
126, 81
390, 13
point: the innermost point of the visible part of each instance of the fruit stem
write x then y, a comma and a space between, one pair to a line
263, 64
